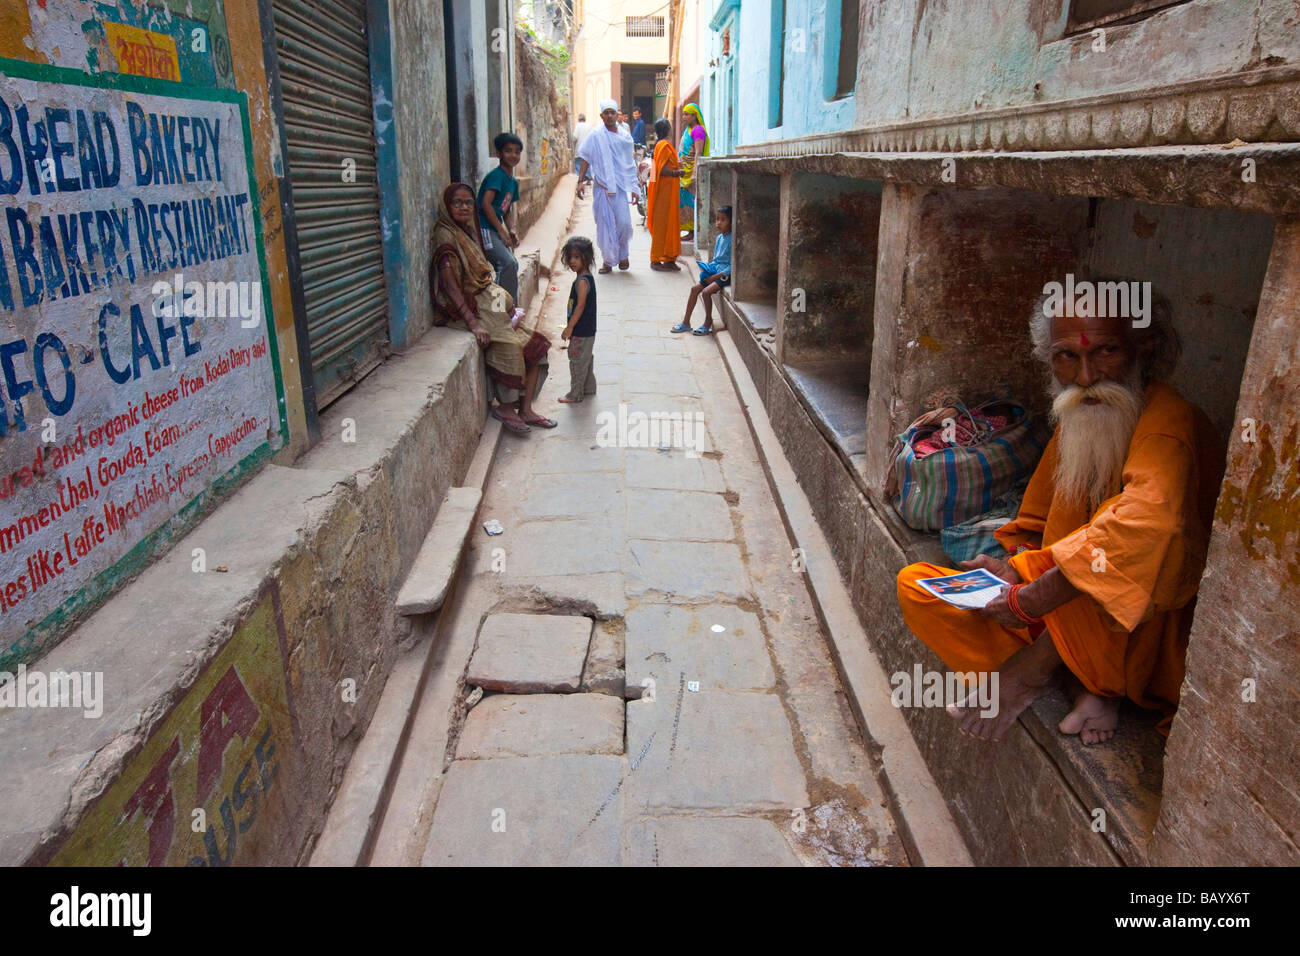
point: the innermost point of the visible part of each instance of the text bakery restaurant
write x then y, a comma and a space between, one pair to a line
138, 371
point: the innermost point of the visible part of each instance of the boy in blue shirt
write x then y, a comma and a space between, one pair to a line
714, 276
496, 203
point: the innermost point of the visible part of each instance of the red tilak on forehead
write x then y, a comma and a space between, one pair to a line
1084, 337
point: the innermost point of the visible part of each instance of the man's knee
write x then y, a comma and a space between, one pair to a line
905, 583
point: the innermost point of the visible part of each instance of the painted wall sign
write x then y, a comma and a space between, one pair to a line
137, 369
209, 786
143, 52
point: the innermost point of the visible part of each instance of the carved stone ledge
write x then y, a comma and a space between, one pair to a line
1261, 106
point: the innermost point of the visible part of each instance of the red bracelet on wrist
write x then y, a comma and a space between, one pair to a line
1013, 602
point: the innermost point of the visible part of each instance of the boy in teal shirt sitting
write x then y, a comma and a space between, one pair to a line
497, 197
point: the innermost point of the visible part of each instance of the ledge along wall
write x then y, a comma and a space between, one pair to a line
956, 272
241, 667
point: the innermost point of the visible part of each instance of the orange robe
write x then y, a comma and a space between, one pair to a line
662, 206
1137, 559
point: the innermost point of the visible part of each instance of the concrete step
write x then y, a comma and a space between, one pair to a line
430, 576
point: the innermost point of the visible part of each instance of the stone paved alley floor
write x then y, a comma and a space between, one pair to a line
742, 749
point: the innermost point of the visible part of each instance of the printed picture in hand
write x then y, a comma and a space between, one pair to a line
970, 589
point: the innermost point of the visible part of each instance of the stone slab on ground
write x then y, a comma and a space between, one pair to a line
664, 641
673, 470
566, 546
568, 456
679, 515
530, 653
644, 381
641, 362
425, 587
686, 570
705, 841
602, 596
712, 750
539, 725
564, 810
575, 496
604, 673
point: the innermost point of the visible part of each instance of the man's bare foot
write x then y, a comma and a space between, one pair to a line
1094, 718
1027, 675
569, 401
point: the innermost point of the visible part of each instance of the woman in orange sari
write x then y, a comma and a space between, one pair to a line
663, 198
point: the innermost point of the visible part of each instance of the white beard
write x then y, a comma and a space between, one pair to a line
1092, 440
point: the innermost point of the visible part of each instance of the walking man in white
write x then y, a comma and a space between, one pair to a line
579, 134
607, 154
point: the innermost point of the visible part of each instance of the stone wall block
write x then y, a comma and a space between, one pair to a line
1168, 117
1206, 113
1288, 111
1015, 133
1250, 113
1054, 131
1035, 135
1105, 127
1134, 123
1078, 125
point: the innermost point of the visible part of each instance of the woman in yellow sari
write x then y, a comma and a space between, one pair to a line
663, 203
466, 297
695, 143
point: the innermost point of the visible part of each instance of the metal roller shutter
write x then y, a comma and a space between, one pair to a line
324, 68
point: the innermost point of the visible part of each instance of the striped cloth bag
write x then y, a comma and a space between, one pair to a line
993, 448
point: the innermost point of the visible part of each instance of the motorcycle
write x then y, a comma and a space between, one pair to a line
644, 165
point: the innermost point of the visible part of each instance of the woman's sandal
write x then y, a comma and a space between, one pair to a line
541, 421
703, 330
680, 327
515, 425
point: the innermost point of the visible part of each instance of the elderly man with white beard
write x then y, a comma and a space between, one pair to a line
1109, 544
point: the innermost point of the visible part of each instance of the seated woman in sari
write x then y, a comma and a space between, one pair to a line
466, 297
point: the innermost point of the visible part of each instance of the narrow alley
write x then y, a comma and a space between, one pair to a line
962, 542
735, 745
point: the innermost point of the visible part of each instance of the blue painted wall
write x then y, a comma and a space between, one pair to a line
809, 41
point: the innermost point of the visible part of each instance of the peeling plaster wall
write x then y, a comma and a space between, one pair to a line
1210, 264
806, 109
1233, 758
833, 226
542, 122
928, 58
419, 68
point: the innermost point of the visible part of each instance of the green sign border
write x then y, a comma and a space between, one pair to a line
48, 632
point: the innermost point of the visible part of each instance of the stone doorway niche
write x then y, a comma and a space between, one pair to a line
958, 272
756, 246
826, 300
